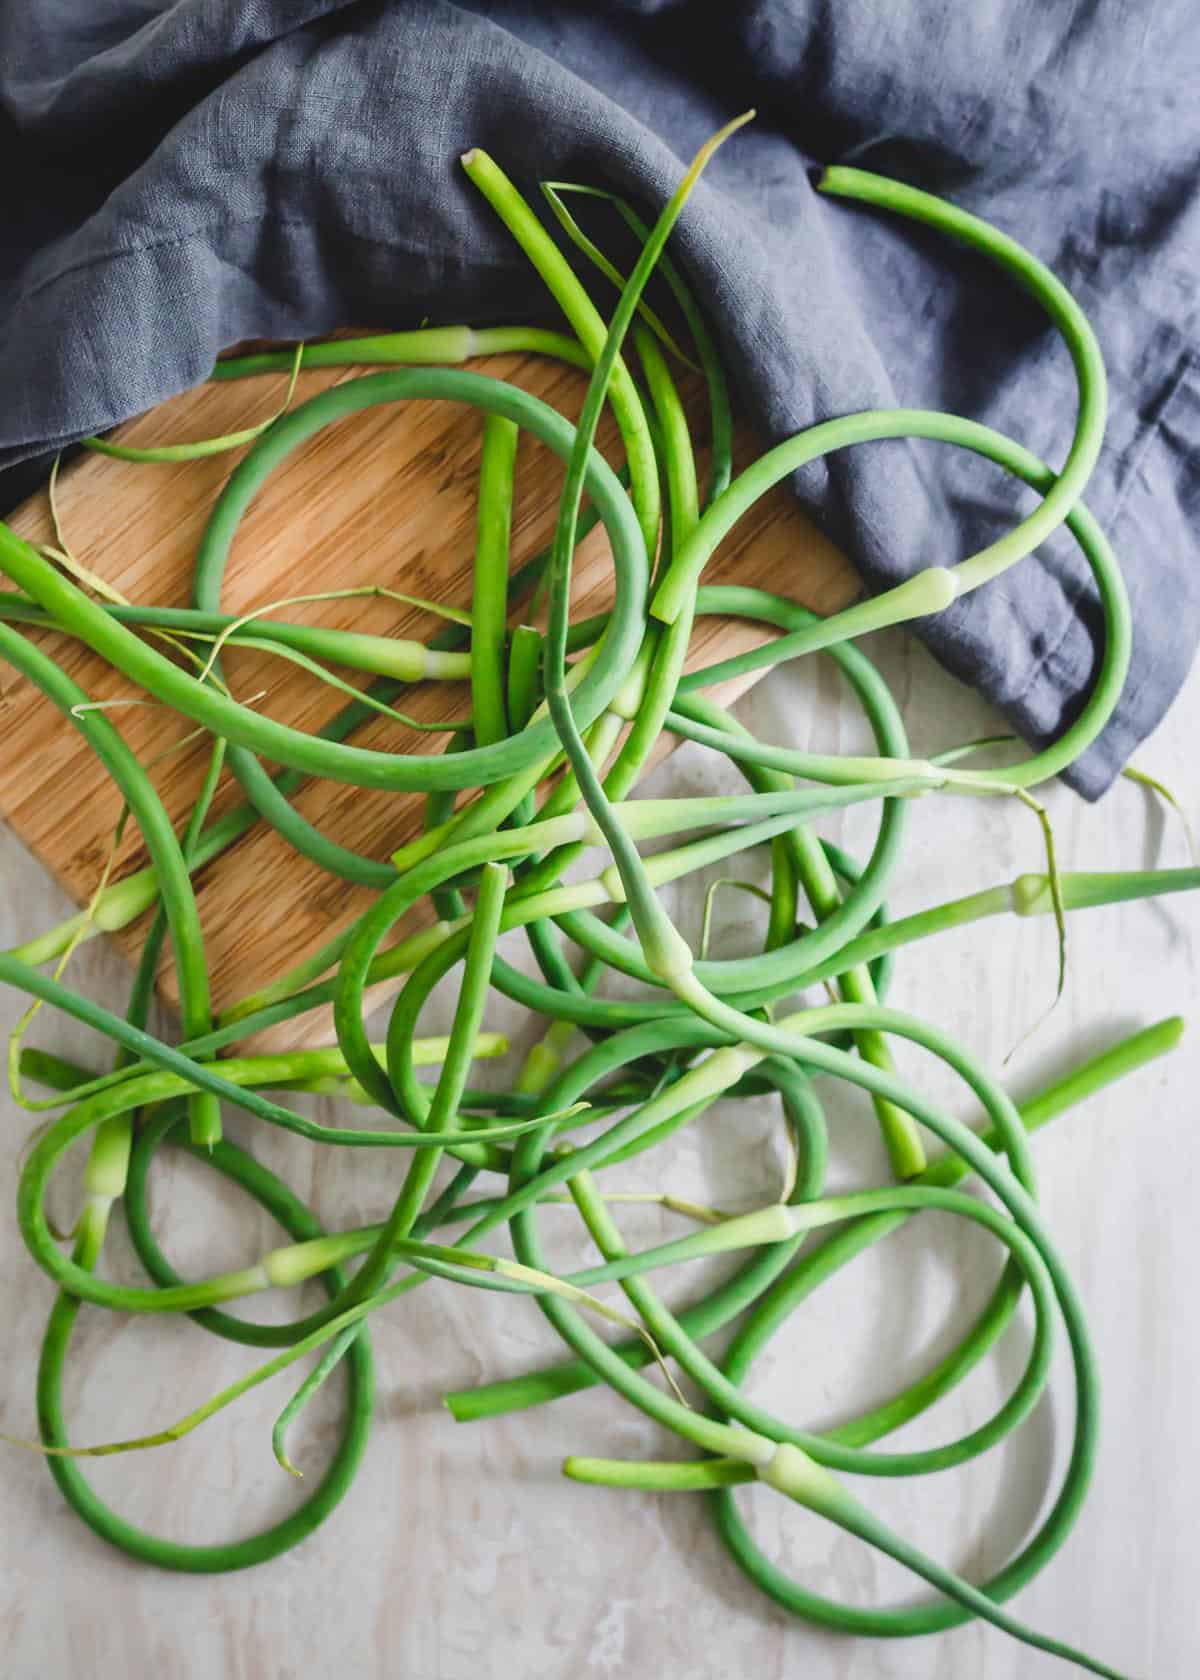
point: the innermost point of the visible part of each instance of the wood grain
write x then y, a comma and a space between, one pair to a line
385, 497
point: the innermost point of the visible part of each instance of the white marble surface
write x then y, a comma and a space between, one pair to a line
461, 1552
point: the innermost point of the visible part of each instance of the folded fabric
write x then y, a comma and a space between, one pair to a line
187, 175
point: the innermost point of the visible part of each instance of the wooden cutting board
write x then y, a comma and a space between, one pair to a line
385, 497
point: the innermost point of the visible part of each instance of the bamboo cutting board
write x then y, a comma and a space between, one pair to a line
386, 497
